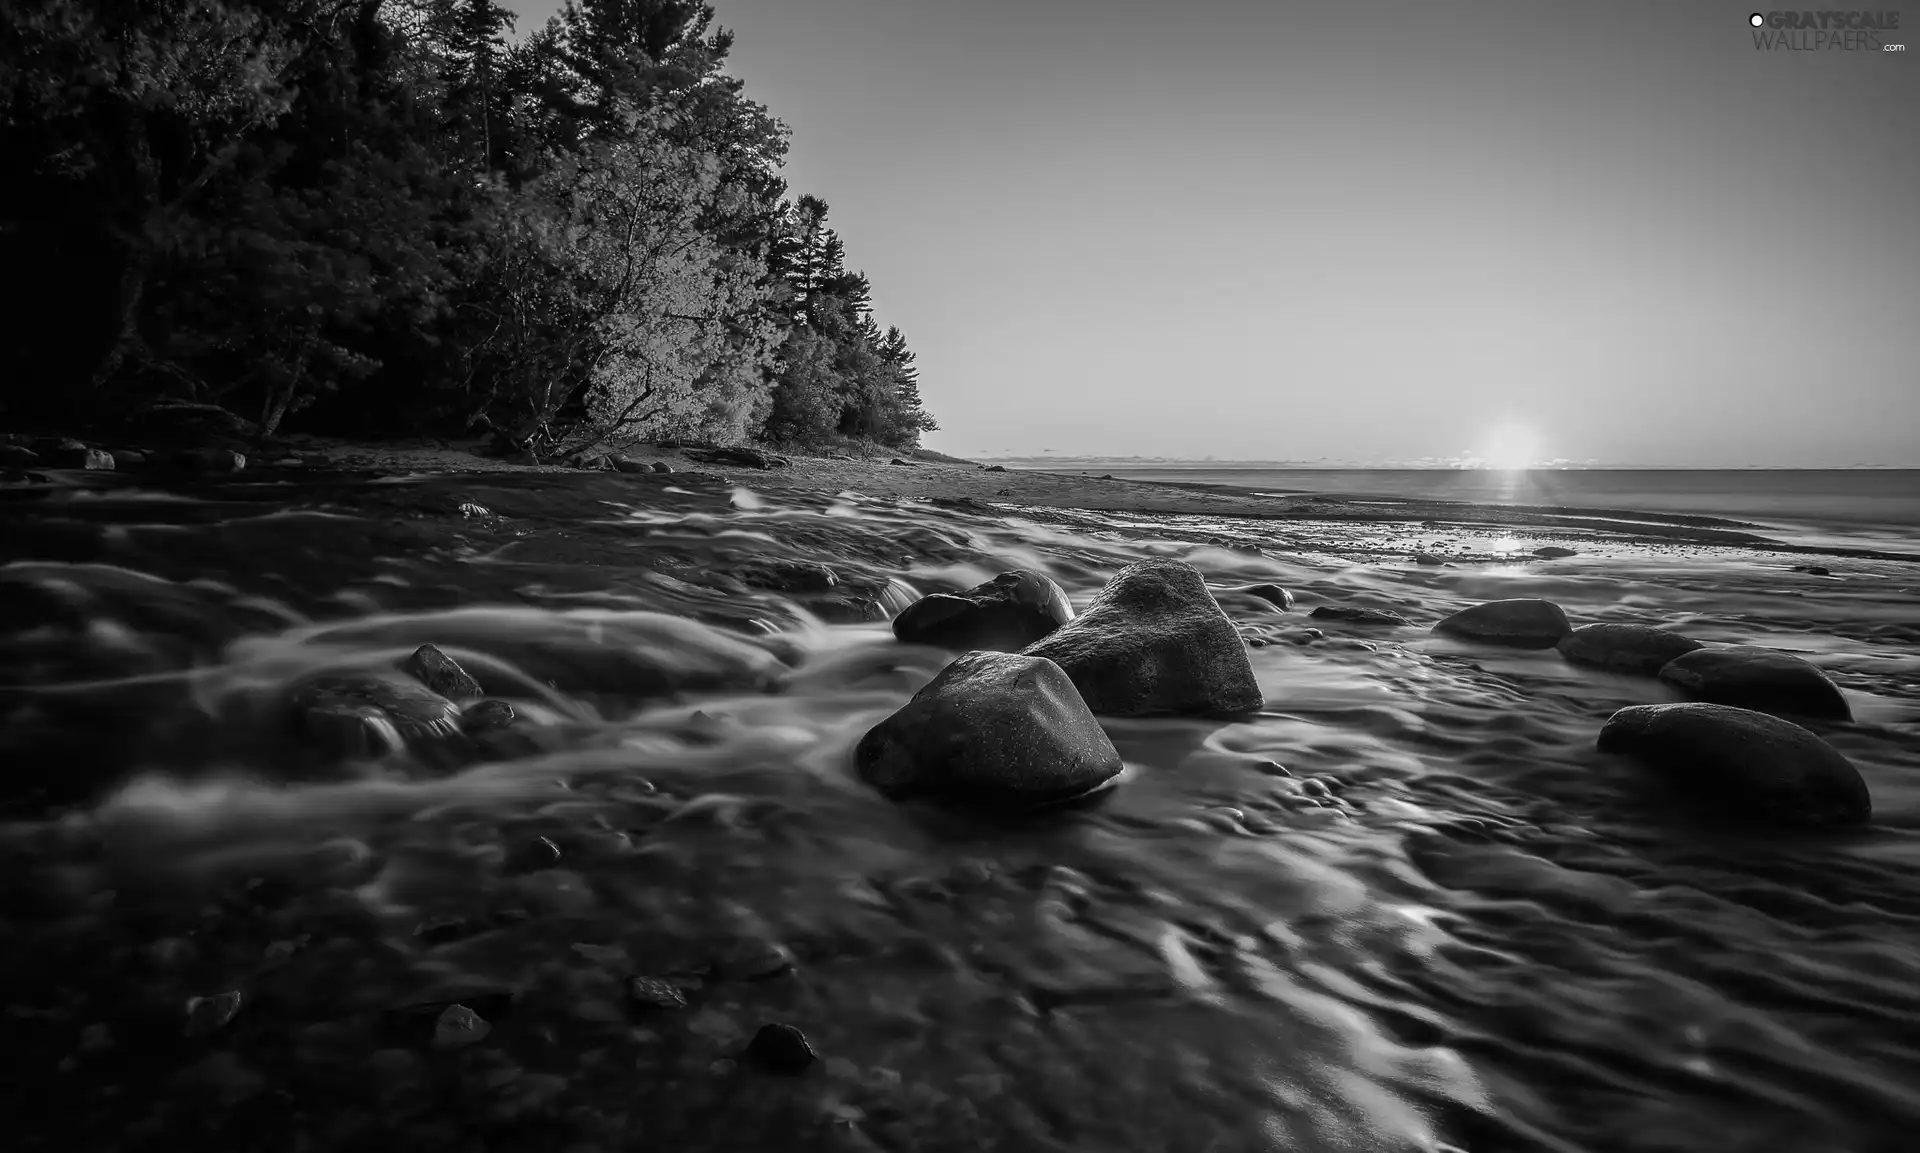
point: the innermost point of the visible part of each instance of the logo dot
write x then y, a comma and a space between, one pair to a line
1756, 20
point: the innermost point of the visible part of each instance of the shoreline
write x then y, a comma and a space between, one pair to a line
926, 476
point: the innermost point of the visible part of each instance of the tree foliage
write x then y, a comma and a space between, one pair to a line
388, 216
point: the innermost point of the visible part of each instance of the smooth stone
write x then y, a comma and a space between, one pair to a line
1750, 760
442, 674
1005, 614
1522, 623
623, 463
1554, 552
1155, 642
662, 466
1273, 594
1624, 648
486, 716
1000, 729
780, 1049
365, 714
1750, 677
1359, 616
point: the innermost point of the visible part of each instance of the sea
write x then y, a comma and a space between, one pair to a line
1859, 507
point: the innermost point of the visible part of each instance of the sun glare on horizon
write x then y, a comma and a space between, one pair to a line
1510, 448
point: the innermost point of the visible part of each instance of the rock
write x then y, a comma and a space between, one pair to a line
359, 715
1554, 552
17, 456
662, 466
1358, 616
208, 460
780, 1049
1273, 594
1428, 558
738, 456
789, 576
531, 857
442, 674
1750, 677
207, 1015
470, 509
1154, 642
128, 458
1812, 569
752, 959
622, 463
1744, 759
1005, 614
1624, 648
486, 716
1522, 623
654, 993
897, 460
999, 729
994, 467
458, 1025
78, 455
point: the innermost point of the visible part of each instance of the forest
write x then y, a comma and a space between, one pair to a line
394, 217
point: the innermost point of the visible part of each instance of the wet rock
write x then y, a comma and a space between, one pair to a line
1005, 614
1273, 594
622, 463
208, 460
1427, 558
442, 674
780, 1049
1750, 677
999, 729
662, 466
73, 454
17, 456
358, 715
655, 993
739, 457
486, 716
1812, 569
470, 509
897, 460
532, 856
993, 468
207, 1015
1521, 623
1624, 648
788, 576
128, 458
1358, 616
1743, 759
459, 1026
1554, 552
753, 959
1155, 642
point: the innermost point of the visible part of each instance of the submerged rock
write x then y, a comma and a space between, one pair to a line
1624, 648
780, 1049
1522, 623
1554, 552
1750, 677
458, 1025
1358, 616
1154, 642
1749, 760
442, 674
999, 729
788, 576
360, 715
1005, 614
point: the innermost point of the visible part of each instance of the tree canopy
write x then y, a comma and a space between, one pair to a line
378, 216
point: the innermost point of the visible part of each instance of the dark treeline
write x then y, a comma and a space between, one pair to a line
380, 216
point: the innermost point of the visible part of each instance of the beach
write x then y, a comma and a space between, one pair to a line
1405, 904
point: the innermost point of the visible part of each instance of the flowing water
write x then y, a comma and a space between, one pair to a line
1406, 907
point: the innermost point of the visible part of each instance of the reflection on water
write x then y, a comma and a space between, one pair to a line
1406, 907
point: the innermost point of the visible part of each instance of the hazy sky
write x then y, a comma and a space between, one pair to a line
1368, 231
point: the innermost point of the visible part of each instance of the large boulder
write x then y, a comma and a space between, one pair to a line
1522, 623
996, 729
1625, 648
1155, 641
1744, 759
1750, 677
1005, 614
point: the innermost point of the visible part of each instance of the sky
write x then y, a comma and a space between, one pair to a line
1377, 232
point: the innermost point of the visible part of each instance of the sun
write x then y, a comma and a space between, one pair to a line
1511, 447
